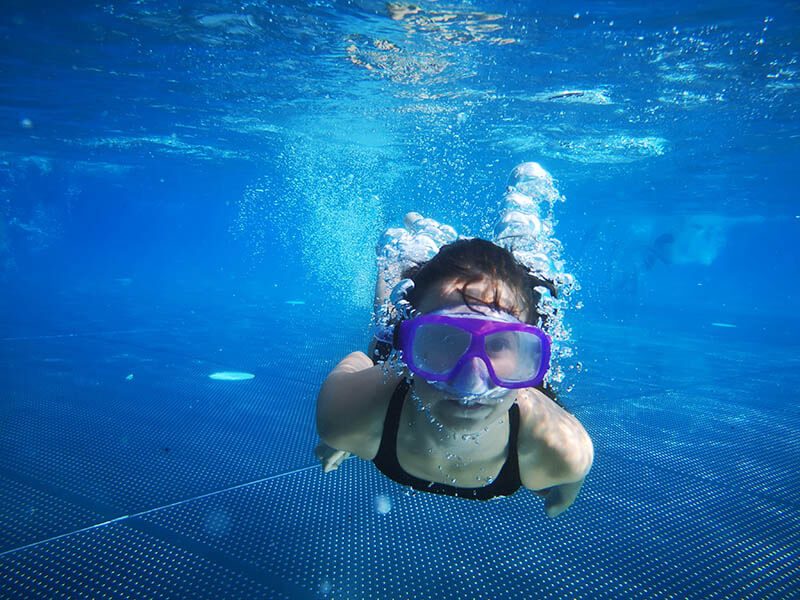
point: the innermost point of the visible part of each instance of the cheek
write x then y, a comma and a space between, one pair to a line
427, 395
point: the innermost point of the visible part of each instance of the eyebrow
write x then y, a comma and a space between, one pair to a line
494, 305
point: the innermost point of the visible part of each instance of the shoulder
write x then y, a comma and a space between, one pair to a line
553, 446
352, 405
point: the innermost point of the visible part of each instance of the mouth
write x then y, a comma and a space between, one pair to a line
463, 404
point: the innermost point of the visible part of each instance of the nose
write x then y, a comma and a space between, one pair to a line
472, 377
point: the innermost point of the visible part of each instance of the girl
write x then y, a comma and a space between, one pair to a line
461, 409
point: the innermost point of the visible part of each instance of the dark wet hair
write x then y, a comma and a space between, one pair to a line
470, 260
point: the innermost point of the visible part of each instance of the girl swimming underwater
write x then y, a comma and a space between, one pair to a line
456, 403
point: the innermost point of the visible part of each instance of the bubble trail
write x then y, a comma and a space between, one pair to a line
526, 227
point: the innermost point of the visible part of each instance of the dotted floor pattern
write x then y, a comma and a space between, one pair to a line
633, 533
29, 514
354, 534
681, 536
116, 561
133, 452
704, 439
86, 437
661, 515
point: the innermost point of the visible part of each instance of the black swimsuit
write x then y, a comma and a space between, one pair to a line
506, 483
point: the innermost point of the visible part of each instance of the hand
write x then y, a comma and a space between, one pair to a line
560, 497
330, 458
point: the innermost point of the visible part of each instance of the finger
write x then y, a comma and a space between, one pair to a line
332, 461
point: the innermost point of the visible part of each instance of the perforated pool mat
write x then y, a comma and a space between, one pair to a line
170, 484
636, 533
111, 429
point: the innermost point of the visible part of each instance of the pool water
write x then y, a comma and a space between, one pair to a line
191, 196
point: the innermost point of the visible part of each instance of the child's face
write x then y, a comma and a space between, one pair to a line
443, 406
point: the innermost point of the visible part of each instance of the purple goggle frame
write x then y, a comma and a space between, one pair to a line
478, 328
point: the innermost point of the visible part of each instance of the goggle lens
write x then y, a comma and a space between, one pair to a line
438, 347
515, 356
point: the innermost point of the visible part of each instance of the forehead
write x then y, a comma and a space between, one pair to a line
451, 293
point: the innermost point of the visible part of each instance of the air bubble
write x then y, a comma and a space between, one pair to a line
217, 522
383, 504
418, 242
532, 180
515, 224
526, 228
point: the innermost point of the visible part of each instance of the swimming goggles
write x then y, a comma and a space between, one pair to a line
436, 346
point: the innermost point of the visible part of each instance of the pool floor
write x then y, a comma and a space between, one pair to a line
125, 471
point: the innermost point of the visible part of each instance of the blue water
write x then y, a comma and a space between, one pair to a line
191, 188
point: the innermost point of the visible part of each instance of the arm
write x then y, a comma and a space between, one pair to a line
560, 497
351, 405
576, 461
555, 451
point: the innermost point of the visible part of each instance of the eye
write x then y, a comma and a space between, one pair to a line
498, 344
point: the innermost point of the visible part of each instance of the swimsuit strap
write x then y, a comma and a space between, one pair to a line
506, 483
